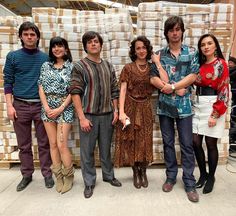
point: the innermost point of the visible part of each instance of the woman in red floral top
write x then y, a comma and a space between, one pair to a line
210, 107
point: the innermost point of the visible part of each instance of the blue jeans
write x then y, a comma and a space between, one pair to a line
184, 127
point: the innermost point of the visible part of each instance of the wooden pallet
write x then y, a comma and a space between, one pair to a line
9, 164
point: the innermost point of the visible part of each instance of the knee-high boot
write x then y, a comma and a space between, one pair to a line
68, 174
143, 174
136, 176
57, 170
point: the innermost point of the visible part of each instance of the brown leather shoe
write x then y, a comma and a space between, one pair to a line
193, 196
167, 186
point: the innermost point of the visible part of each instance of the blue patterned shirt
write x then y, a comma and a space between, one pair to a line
177, 68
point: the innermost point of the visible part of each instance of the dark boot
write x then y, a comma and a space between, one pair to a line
136, 177
57, 170
143, 174
202, 180
209, 185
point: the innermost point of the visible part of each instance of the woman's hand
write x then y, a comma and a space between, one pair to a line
156, 58
212, 122
54, 113
122, 118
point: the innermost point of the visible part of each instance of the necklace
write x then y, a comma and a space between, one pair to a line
142, 70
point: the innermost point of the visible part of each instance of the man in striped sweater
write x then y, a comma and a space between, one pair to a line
21, 73
95, 92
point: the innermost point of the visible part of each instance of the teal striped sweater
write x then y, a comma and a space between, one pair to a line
21, 72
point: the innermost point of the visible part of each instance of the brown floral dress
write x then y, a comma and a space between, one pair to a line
135, 142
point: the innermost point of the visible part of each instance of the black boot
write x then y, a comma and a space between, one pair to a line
202, 180
136, 177
143, 174
209, 184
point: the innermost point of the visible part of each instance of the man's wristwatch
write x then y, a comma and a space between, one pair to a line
173, 87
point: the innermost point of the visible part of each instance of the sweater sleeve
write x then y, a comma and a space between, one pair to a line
221, 104
8, 73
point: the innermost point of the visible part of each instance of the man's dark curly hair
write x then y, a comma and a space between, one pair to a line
146, 43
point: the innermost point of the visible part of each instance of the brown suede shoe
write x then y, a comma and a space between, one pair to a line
167, 186
193, 196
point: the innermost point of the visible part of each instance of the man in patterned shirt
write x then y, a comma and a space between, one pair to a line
94, 91
180, 63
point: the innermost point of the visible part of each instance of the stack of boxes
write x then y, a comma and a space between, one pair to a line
120, 33
8, 42
221, 23
45, 19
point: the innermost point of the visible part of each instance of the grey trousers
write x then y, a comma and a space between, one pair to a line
101, 132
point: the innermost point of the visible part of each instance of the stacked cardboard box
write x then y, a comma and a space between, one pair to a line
120, 32
8, 42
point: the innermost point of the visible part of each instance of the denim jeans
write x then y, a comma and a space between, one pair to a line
184, 128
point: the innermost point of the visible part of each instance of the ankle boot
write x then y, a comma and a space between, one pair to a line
136, 177
68, 178
202, 180
143, 174
209, 184
57, 170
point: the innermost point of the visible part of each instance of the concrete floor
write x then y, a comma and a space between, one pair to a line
36, 200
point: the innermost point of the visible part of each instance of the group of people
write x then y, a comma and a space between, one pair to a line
50, 91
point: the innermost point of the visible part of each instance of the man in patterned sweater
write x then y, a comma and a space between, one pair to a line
21, 73
94, 93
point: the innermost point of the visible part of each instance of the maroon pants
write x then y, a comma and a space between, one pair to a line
28, 112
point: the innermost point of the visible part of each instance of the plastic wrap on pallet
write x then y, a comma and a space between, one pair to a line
197, 9
120, 36
150, 32
149, 24
68, 20
10, 39
120, 60
221, 25
150, 16
43, 11
150, 6
120, 52
177, 11
116, 18
118, 27
70, 28
219, 17
67, 12
72, 36
47, 27
221, 8
119, 44
40, 18
10, 21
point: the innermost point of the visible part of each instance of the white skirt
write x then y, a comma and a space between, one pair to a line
202, 110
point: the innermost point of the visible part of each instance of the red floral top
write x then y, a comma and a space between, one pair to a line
216, 76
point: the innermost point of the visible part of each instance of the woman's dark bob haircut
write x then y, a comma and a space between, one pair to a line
63, 42
218, 52
146, 43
